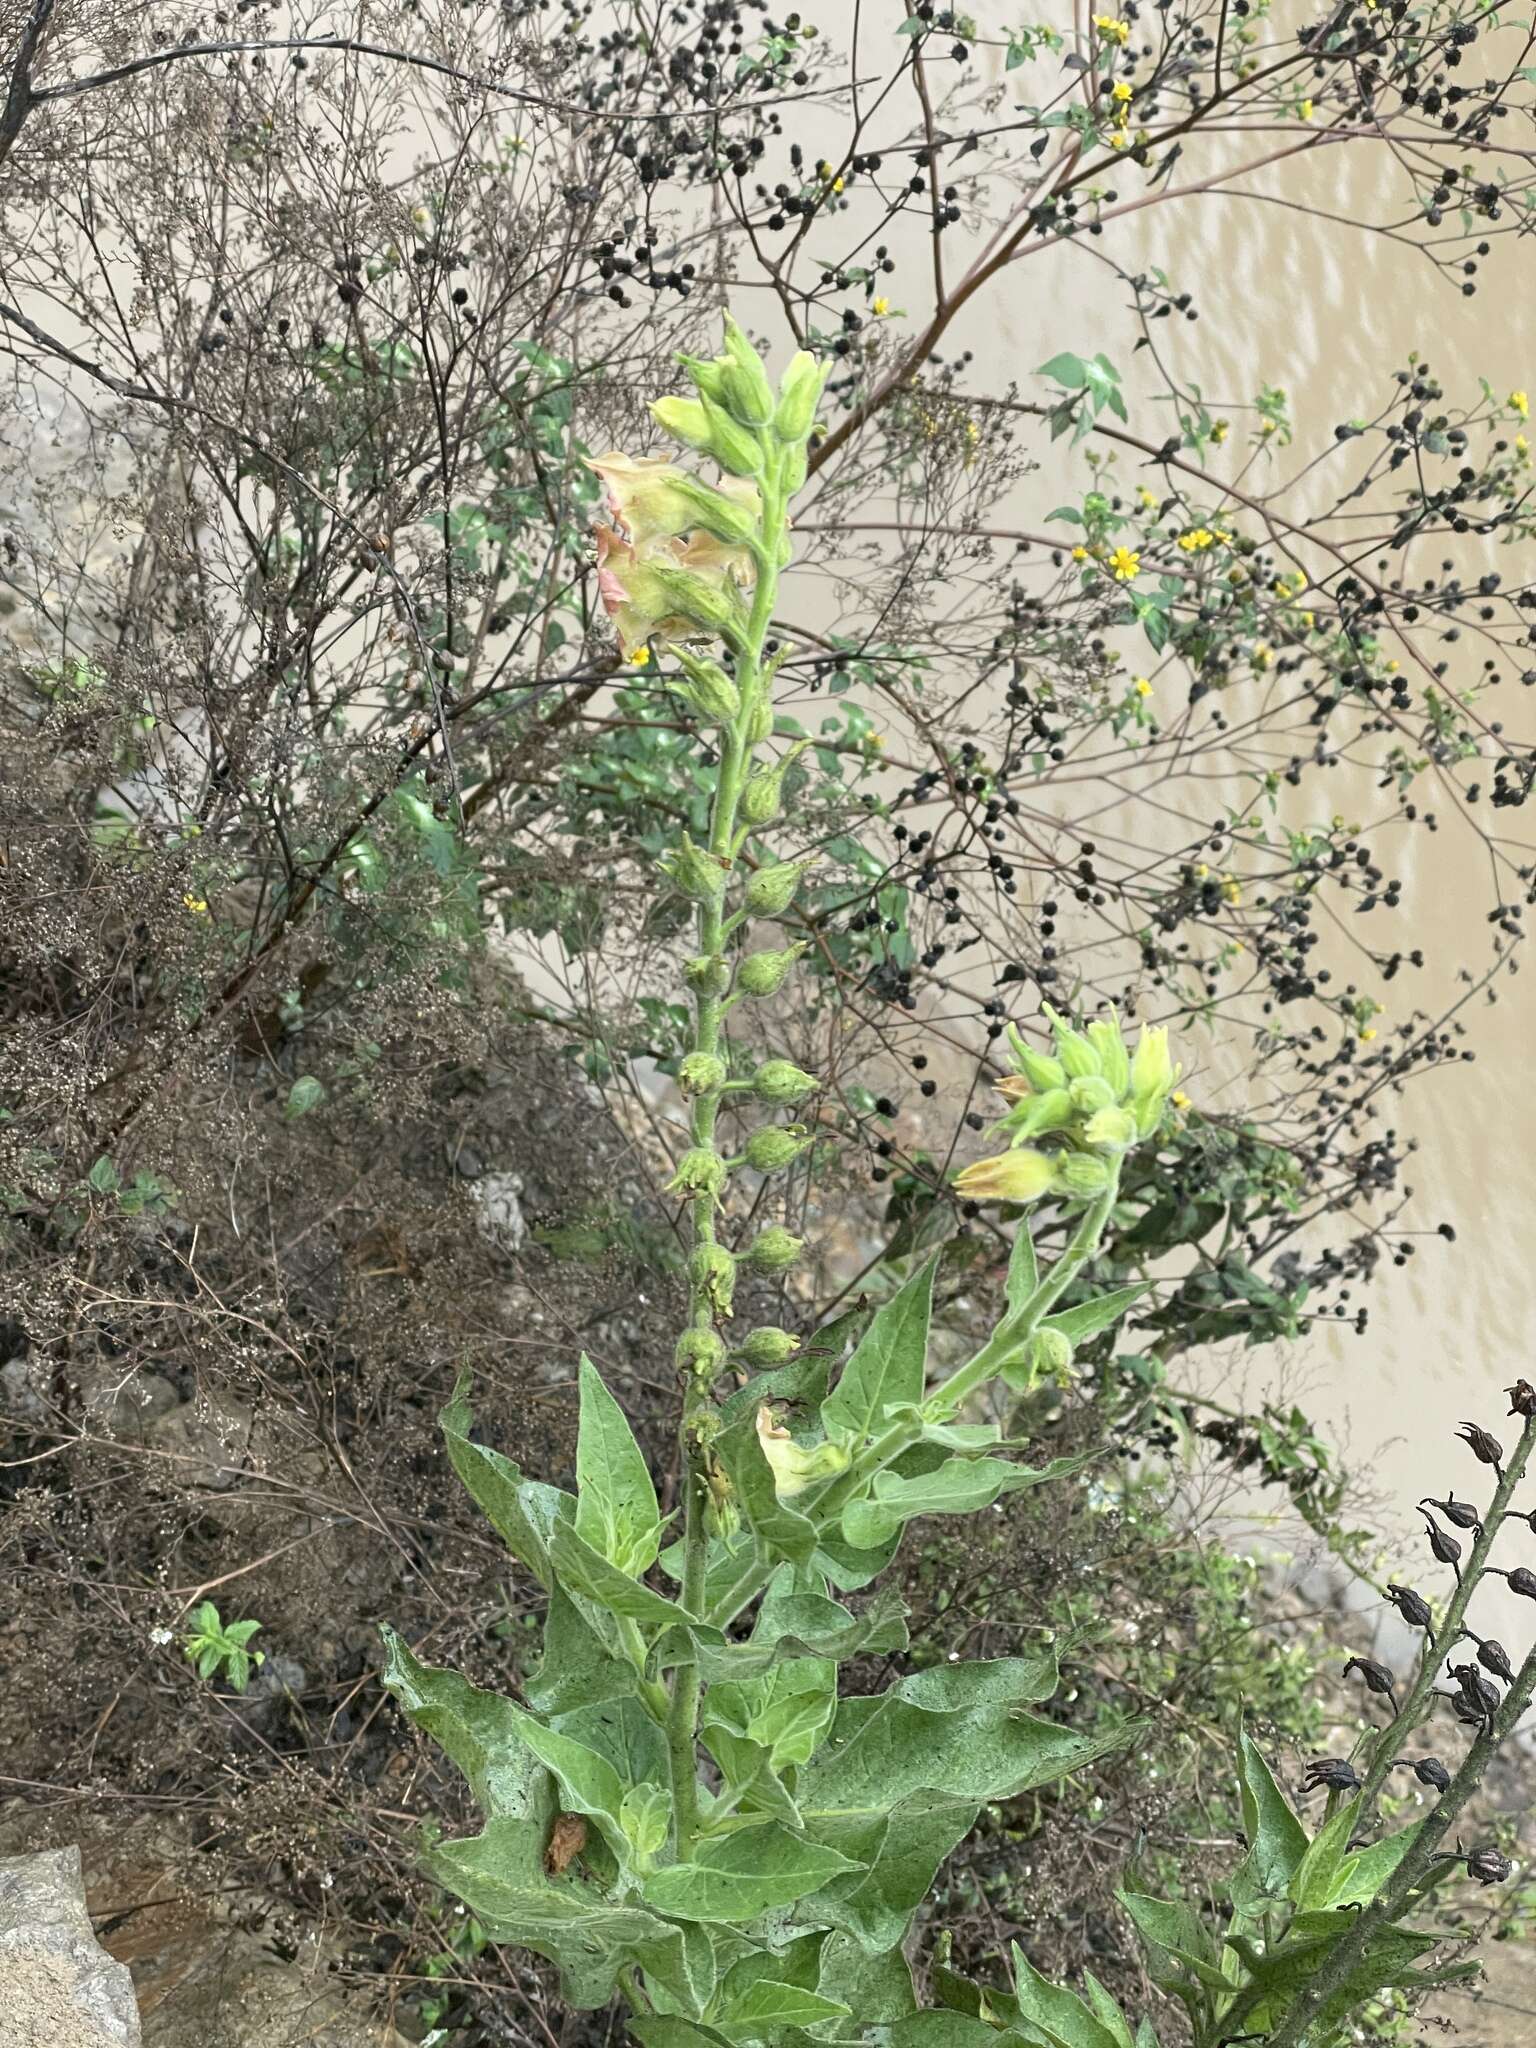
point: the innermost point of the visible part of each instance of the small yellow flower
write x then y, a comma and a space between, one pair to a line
1079, 554
1223, 536
640, 656
1368, 1031
880, 307
1522, 446
1521, 404
1118, 138
1219, 432
1126, 564
1305, 110
1201, 871
1148, 498
197, 905
1121, 91
1231, 889
1111, 30
1309, 620
1263, 654
1179, 1099
837, 184
1196, 540
1142, 686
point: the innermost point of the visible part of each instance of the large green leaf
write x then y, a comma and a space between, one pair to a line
888, 1366
878, 1988
577, 1668
785, 1712
616, 1510
500, 1876
1183, 1955
960, 1486
588, 1572
738, 1876
1059, 2016
479, 1730
781, 1530
523, 1512
1361, 1877
1087, 1320
624, 1733
903, 1850
1277, 1841
1023, 1267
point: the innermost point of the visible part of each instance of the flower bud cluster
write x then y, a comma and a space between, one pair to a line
1091, 1098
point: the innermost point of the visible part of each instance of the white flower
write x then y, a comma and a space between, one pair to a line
160, 1635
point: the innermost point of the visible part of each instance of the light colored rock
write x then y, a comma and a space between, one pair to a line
21, 1396
498, 1203
57, 1988
128, 1403
207, 1442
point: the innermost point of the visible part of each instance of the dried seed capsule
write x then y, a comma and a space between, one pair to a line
1486, 1449
1378, 1678
1459, 1513
1520, 1580
1445, 1548
1493, 1657
1336, 1772
1413, 1607
1427, 1769
1489, 1866
1480, 1693
1522, 1399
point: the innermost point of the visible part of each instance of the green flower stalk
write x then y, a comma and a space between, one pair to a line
754, 1894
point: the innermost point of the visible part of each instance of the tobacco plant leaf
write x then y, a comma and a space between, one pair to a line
889, 1362
735, 1877
616, 1511
523, 1512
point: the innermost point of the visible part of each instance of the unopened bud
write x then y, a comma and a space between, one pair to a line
771, 890
734, 446
763, 794
1075, 1052
744, 381
701, 1073
707, 688
1091, 1092
708, 378
1038, 1068
775, 1147
1114, 1060
1152, 1077
1021, 1175
799, 392
699, 1172
692, 871
775, 1250
1080, 1176
766, 1347
701, 1353
762, 974
781, 1081
1110, 1130
712, 1270
708, 973
684, 419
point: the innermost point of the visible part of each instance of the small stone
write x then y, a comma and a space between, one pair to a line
206, 1443
127, 1403
498, 1201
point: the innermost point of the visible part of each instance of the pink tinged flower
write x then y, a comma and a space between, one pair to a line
665, 568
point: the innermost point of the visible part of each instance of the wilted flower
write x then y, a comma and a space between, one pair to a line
1427, 1769
670, 565
1336, 1772
1021, 1175
1522, 1399
1378, 1678
699, 1172
1486, 1449
700, 1073
1478, 1692
1489, 1866
796, 1466
1413, 1607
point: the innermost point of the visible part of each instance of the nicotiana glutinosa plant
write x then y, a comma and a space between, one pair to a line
684, 1807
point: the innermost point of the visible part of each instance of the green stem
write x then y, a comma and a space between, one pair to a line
714, 928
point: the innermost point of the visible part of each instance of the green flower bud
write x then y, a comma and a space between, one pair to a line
763, 794
796, 469
701, 1073
762, 974
684, 419
1037, 1114
743, 379
1041, 1072
735, 447
775, 1249
699, 1172
735, 520
708, 973
712, 1270
1021, 1175
771, 890
1152, 1077
1114, 1061
1080, 1176
776, 1146
782, 1081
1047, 1356
714, 606
698, 875
766, 1347
708, 378
799, 391
760, 722
1074, 1051
708, 688
1091, 1092
701, 1353
1110, 1130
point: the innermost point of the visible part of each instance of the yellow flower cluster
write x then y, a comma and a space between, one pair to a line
1111, 30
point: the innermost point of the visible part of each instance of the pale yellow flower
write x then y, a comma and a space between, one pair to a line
1125, 564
